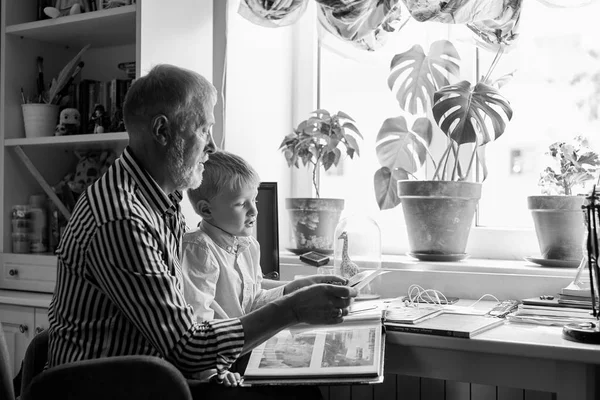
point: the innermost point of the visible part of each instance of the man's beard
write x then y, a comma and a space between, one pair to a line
182, 176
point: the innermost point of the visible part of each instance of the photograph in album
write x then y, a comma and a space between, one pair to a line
348, 351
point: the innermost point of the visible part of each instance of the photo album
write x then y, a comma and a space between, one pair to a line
350, 352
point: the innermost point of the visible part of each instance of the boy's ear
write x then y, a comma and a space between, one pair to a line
204, 209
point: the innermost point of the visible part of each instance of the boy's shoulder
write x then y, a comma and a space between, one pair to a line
197, 236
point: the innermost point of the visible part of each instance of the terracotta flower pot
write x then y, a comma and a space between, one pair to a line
559, 226
438, 216
312, 223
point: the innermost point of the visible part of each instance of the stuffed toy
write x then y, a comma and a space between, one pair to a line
91, 165
69, 122
64, 7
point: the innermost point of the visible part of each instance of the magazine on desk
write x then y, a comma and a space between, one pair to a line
449, 324
350, 352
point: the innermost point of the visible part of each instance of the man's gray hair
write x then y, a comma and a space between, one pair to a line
182, 95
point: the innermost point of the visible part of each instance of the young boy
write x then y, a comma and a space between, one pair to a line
221, 259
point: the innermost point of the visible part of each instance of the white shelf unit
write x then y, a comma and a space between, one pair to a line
34, 165
148, 32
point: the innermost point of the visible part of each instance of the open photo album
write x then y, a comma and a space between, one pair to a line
350, 352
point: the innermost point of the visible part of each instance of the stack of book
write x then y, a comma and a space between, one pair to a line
576, 295
546, 311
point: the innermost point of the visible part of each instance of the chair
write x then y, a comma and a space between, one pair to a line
122, 377
6, 384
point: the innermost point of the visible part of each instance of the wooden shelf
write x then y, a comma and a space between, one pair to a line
30, 258
112, 27
98, 141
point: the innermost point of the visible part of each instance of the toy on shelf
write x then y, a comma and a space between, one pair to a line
65, 7
99, 120
91, 166
69, 122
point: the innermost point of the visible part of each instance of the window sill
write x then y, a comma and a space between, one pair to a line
468, 279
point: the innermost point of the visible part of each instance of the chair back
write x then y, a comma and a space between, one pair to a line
6, 384
35, 359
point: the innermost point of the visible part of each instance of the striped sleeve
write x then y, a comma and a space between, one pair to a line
130, 263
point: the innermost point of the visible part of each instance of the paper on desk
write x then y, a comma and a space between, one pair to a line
363, 278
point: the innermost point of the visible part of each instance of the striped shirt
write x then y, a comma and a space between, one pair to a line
119, 285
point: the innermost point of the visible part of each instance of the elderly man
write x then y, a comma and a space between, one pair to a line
119, 285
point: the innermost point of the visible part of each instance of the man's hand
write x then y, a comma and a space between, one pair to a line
312, 280
322, 303
229, 379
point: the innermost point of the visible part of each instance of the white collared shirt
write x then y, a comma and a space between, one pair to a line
222, 275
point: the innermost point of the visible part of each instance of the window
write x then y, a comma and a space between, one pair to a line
555, 95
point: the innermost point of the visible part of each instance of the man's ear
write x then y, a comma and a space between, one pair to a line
204, 209
160, 129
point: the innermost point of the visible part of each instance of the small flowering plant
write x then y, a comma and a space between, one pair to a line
575, 164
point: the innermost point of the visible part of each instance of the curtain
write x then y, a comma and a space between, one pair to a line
367, 23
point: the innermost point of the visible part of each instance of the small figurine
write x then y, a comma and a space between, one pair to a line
348, 267
99, 120
69, 122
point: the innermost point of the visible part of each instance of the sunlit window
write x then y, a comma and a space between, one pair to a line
554, 92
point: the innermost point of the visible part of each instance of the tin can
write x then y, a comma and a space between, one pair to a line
20, 219
38, 224
20, 243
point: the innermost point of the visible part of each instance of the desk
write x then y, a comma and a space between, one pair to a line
514, 355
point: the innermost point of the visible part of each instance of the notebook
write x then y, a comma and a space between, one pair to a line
411, 315
444, 324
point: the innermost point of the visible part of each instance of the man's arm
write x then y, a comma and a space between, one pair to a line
316, 304
131, 264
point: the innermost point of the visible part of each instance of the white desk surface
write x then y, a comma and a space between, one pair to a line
510, 339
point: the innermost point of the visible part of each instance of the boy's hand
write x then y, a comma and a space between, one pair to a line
313, 280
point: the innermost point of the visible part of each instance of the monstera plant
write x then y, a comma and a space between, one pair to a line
439, 211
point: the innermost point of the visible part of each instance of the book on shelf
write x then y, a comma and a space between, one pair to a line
449, 324
350, 352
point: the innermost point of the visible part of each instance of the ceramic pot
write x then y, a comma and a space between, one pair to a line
438, 216
559, 226
312, 223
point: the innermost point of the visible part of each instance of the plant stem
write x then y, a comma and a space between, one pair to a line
443, 161
494, 62
314, 178
436, 174
455, 154
472, 159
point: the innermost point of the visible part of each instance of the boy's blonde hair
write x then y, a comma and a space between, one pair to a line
223, 170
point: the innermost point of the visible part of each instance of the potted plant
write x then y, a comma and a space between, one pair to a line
318, 143
40, 117
438, 211
557, 213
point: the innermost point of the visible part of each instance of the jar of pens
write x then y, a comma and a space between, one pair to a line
40, 114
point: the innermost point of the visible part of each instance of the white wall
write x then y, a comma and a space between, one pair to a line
259, 99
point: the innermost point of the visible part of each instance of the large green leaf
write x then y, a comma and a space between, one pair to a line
422, 74
385, 182
463, 112
398, 147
